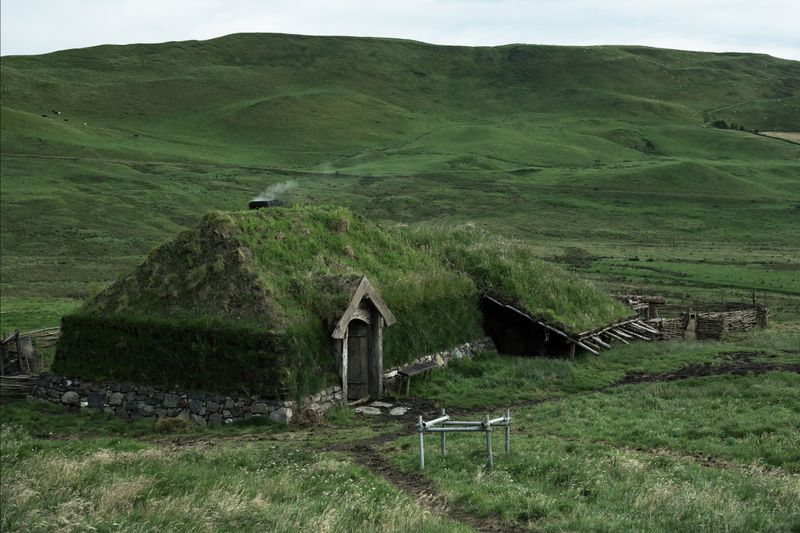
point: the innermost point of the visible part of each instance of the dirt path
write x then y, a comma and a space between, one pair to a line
741, 364
424, 492
365, 451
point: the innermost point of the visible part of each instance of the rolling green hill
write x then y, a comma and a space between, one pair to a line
107, 151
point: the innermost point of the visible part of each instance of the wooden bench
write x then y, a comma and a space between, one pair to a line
406, 372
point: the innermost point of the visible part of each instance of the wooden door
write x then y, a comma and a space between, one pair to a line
357, 360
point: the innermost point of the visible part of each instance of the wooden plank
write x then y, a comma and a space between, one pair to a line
591, 344
582, 345
642, 327
622, 333
610, 333
636, 335
598, 340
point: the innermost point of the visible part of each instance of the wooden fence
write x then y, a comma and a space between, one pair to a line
712, 321
21, 352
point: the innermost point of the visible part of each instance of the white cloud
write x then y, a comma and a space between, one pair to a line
37, 26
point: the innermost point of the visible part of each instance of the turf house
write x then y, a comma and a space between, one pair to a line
284, 302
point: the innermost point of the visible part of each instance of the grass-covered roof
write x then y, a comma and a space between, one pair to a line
279, 267
248, 300
508, 270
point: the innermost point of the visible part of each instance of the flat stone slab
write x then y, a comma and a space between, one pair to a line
368, 410
398, 411
383, 405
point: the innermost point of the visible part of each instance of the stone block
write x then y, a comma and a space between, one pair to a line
195, 406
96, 399
281, 416
70, 398
259, 408
212, 407
132, 405
215, 419
171, 400
116, 399
197, 419
229, 404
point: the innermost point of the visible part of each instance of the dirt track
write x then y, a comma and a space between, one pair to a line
741, 364
423, 490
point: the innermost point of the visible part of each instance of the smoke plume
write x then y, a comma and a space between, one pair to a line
273, 191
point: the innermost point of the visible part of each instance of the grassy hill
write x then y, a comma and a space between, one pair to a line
107, 151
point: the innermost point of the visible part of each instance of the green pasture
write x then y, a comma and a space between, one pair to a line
604, 160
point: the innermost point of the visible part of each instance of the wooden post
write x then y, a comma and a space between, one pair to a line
442, 437
508, 431
375, 363
488, 429
421, 430
345, 363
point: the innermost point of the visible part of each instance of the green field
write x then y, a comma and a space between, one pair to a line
603, 159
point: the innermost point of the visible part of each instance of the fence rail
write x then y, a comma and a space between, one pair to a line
444, 425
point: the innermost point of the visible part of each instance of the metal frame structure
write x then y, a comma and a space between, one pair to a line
444, 425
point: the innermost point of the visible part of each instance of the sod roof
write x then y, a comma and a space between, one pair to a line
276, 268
247, 301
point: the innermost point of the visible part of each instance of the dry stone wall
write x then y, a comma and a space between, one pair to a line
136, 401
131, 401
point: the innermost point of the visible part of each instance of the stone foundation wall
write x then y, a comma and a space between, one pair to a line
467, 350
131, 401
136, 401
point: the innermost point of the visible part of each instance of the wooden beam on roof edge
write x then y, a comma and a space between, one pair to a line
597, 340
535, 321
611, 333
582, 345
621, 333
592, 344
637, 335
644, 327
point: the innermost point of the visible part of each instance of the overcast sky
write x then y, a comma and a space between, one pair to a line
770, 26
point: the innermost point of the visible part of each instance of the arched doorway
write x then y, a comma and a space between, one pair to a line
358, 375
358, 343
